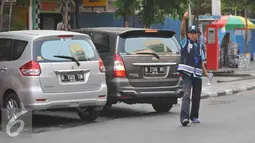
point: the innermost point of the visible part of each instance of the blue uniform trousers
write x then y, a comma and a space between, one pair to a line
196, 85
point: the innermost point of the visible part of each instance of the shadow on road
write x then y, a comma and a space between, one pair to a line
120, 112
54, 121
51, 122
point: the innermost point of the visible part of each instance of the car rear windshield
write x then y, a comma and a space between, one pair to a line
47, 50
161, 46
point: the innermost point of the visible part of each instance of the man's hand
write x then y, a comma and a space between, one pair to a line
206, 74
204, 69
186, 14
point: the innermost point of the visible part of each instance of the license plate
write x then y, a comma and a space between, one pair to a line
154, 70
72, 77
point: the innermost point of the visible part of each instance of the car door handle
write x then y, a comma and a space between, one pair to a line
3, 68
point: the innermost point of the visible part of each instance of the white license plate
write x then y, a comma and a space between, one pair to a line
72, 77
154, 70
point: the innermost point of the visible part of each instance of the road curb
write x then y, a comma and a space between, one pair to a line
227, 92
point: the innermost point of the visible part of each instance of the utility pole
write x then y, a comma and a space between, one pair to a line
1, 18
190, 18
125, 16
65, 16
30, 15
246, 31
77, 14
10, 16
235, 7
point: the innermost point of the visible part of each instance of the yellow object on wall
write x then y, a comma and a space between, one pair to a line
20, 17
94, 3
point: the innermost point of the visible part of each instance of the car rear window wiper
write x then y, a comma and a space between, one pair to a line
148, 53
68, 57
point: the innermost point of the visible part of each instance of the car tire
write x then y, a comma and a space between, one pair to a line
162, 107
107, 106
13, 99
90, 115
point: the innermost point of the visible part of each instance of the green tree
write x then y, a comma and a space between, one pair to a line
200, 7
125, 8
237, 7
155, 11
149, 11
243, 7
248, 6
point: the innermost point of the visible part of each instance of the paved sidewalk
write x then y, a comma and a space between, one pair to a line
239, 71
231, 83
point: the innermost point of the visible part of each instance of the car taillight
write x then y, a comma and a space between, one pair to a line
119, 68
31, 68
101, 65
65, 36
180, 76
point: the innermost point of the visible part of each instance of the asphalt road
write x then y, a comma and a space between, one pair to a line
224, 119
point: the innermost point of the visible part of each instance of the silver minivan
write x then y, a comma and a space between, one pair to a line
46, 69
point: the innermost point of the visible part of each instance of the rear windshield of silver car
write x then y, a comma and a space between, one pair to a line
159, 45
54, 50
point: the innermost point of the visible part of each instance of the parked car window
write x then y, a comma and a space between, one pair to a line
79, 49
149, 44
5, 49
101, 41
18, 48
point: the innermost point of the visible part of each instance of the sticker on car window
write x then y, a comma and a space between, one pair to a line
155, 45
142, 51
39, 58
77, 51
152, 42
123, 53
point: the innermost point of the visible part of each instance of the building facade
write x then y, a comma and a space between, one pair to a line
46, 14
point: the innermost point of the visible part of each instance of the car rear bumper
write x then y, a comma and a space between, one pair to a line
96, 98
66, 104
174, 93
122, 90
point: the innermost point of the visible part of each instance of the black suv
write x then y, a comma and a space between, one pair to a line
141, 65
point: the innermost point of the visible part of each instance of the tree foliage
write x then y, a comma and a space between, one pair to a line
150, 11
125, 8
237, 6
155, 11
241, 7
129, 6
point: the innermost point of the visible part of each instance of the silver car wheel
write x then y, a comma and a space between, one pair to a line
12, 108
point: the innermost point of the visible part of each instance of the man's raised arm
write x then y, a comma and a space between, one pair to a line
183, 25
